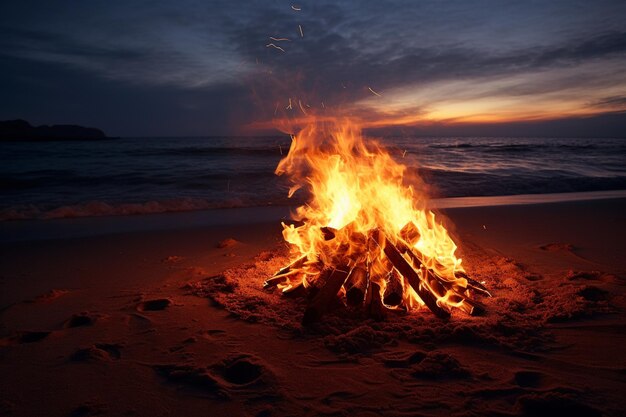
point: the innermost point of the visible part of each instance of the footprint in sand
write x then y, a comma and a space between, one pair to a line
99, 352
240, 370
24, 337
591, 293
154, 305
595, 276
403, 359
558, 247
79, 320
533, 277
241, 373
439, 366
554, 403
190, 377
529, 379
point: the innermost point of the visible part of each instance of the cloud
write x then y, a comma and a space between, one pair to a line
418, 55
611, 102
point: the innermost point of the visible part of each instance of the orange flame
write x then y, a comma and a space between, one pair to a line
358, 189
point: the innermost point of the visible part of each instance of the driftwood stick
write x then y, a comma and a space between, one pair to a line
278, 279
436, 286
323, 300
471, 307
374, 307
473, 284
314, 282
356, 286
392, 295
413, 278
284, 272
294, 290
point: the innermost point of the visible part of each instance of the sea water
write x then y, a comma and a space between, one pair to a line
154, 175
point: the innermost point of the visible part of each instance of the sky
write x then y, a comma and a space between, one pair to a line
464, 68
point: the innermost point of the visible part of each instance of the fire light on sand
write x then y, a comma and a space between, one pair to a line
365, 234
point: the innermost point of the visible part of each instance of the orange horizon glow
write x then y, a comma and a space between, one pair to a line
517, 98
443, 116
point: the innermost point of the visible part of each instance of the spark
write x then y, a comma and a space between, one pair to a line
301, 107
484, 227
271, 45
374, 92
301, 32
276, 109
323, 105
279, 39
280, 148
289, 107
404, 153
296, 8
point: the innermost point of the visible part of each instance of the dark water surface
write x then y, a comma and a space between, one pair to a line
151, 175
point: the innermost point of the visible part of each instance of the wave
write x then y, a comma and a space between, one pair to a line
102, 208
529, 147
274, 150
463, 184
31, 180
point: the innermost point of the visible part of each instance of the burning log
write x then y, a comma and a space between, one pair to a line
410, 234
295, 290
417, 259
280, 276
356, 286
393, 291
413, 278
473, 284
471, 307
374, 307
322, 301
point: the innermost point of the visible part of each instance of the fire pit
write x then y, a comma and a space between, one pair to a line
365, 236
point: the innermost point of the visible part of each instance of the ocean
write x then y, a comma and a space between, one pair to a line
155, 175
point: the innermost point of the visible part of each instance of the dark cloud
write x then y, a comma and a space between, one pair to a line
203, 67
612, 102
58, 94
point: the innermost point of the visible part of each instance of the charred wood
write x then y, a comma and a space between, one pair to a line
325, 297
392, 295
473, 284
374, 307
356, 286
284, 272
413, 278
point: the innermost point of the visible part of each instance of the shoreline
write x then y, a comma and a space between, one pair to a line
73, 227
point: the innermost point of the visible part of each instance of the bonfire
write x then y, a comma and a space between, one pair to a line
365, 236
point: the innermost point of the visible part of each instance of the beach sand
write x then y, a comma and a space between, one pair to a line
170, 319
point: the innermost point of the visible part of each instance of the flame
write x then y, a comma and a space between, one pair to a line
357, 192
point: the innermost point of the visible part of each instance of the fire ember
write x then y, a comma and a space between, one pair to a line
365, 237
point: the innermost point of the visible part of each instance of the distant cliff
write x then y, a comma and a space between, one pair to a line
22, 130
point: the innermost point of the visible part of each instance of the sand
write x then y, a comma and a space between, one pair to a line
165, 316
